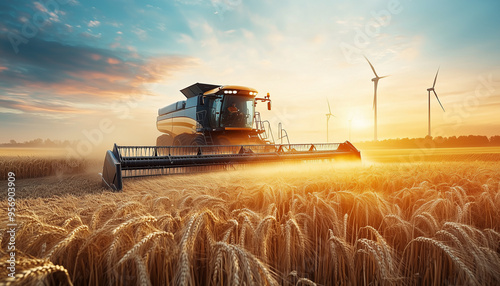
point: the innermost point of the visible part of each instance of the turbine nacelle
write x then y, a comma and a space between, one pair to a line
375, 79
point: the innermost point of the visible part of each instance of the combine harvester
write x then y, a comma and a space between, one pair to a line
216, 127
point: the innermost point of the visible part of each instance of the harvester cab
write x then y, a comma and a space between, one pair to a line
216, 127
212, 115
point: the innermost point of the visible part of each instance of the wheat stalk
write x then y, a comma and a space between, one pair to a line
135, 249
70, 220
142, 272
133, 221
66, 241
38, 273
447, 250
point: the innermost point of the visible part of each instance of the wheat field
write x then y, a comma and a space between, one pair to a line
421, 223
40, 162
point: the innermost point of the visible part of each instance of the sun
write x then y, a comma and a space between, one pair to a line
358, 121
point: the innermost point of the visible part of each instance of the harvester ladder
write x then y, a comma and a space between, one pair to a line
209, 140
200, 119
266, 134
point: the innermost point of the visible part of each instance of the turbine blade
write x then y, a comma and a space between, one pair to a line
384, 76
329, 110
373, 69
438, 100
435, 78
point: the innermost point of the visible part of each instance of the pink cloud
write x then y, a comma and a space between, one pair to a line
113, 61
112, 83
45, 107
40, 7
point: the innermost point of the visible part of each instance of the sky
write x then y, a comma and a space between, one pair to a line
98, 71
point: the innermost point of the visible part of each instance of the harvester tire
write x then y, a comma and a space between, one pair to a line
199, 140
182, 140
164, 140
222, 140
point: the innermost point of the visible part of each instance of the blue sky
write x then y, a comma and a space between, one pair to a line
65, 65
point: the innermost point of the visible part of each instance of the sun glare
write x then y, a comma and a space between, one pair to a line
359, 121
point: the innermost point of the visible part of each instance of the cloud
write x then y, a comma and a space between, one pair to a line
113, 61
91, 36
87, 76
162, 27
93, 24
39, 107
40, 7
142, 34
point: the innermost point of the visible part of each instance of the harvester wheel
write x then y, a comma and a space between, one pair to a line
182, 140
164, 140
222, 140
199, 140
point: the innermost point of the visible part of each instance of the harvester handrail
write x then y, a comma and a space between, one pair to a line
260, 125
125, 152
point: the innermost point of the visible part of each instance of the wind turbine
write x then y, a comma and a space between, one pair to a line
328, 115
429, 98
375, 84
350, 129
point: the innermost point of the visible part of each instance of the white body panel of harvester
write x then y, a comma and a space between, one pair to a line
177, 125
178, 118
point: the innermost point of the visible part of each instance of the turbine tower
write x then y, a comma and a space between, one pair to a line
328, 115
375, 84
350, 129
429, 99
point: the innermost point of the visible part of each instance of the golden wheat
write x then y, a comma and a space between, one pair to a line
410, 224
33, 167
40, 273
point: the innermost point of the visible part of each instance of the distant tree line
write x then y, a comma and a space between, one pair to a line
435, 142
40, 143
427, 142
